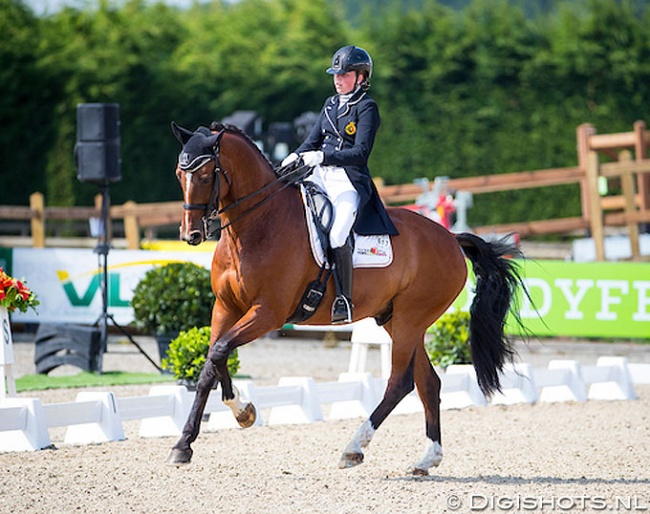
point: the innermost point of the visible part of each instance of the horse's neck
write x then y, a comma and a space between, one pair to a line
265, 205
266, 229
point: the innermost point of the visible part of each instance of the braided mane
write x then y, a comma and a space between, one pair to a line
217, 126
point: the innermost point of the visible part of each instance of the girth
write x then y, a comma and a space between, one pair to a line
320, 208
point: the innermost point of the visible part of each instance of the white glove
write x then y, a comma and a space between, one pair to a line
312, 159
292, 157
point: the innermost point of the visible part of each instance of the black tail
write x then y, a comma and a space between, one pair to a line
497, 282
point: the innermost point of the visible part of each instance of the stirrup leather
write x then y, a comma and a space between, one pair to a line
341, 310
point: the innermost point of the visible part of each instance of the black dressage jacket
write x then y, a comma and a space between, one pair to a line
346, 138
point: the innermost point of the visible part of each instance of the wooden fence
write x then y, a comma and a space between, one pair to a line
628, 209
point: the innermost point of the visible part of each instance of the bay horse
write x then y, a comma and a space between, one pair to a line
263, 263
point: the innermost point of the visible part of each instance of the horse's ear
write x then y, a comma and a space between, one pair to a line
183, 135
212, 141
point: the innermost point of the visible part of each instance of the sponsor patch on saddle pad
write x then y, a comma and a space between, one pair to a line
369, 251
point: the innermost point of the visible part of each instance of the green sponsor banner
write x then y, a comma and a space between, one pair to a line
610, 299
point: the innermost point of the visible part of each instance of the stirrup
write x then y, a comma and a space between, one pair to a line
341, 310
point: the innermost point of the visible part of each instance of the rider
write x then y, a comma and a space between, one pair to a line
338, 147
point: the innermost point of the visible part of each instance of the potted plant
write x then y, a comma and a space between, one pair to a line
171, 298
187, 354
449, 343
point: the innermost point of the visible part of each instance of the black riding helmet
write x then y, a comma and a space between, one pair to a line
352, 58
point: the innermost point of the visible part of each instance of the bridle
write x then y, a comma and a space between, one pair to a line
210, 209
211, 212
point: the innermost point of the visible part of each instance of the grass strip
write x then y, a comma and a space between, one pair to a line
41, 382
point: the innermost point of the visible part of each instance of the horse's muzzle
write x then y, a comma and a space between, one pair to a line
194, 237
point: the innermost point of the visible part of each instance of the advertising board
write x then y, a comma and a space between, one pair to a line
609, 299
68, 281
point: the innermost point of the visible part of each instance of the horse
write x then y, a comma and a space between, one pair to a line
262, 264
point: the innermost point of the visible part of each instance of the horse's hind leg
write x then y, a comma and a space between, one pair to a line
400, 383
428, 384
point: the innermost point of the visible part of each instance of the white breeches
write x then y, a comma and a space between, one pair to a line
344, 197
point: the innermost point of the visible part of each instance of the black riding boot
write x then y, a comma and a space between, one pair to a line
342, 306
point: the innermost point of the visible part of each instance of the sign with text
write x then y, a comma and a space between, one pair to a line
68, 281
568, 298
606, 299
609, 299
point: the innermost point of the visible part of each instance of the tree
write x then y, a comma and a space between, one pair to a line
26, 115
479, 87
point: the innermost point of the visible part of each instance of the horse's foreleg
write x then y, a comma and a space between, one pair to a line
244, 412
428, 384
247, 328
182, 452
399, 385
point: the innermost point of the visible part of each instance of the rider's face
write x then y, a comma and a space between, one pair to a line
346, 82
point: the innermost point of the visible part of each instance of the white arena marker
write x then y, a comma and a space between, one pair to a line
305, 410
22, 425
172, 422
561, 382
106, 425
616, 384
517, 384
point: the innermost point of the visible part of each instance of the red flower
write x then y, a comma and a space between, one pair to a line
15, 295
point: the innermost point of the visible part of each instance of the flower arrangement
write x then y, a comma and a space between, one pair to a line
15, 295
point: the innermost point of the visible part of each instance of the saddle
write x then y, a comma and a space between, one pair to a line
368, 251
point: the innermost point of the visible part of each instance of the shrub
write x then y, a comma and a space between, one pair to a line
450, 340
187, 354
174, 297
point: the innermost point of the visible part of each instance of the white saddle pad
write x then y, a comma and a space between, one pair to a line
369, 251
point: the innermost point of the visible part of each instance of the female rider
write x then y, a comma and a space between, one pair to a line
338, 148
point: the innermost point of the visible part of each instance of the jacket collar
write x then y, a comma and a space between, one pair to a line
355, 99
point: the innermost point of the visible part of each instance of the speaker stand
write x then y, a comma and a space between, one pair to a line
102, 249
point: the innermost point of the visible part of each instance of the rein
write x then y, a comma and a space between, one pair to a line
292, 175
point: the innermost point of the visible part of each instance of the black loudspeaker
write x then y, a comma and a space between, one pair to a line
97, 152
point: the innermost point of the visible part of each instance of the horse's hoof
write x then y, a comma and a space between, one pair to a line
349, 460
180, 456
418, 472
246, 418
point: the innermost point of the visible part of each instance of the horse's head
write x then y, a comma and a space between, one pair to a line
223, 174
200, 176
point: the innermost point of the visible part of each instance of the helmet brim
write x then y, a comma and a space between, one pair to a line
332, 71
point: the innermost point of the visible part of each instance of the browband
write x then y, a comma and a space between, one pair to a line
195, 164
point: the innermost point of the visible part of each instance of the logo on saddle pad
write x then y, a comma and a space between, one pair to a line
375, 246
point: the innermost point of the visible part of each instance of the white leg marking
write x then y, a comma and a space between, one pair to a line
431, 456
236, 405
361, 438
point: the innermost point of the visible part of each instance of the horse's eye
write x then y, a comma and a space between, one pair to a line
206, 179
